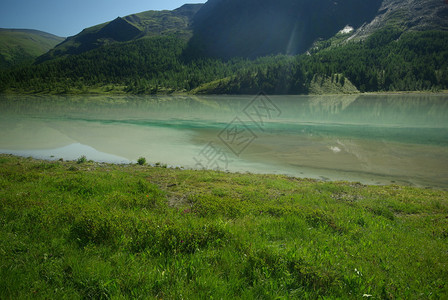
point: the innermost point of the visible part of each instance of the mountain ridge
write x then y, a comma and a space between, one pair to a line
122, 29
255, 28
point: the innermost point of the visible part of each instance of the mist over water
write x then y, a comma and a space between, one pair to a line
377, 139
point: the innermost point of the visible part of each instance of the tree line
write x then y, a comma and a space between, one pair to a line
388, 60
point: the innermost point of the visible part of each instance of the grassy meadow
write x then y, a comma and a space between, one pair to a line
80, 229
18, 47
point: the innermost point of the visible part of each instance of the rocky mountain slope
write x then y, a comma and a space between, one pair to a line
253, 28
408, 15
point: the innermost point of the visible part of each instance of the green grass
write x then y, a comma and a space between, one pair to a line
20, 46
94, 230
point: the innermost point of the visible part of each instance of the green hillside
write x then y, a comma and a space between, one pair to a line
18, 46
146, 24
386, 61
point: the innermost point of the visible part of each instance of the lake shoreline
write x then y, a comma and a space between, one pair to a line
399, 182
97, 92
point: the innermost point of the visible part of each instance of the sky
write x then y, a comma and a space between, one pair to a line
68, 17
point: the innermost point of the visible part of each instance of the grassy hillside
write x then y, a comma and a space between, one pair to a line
175, 23
18, 46
90, 230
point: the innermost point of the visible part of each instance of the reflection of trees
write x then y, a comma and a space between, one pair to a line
396, 110
411, 109
407, 118
130, 106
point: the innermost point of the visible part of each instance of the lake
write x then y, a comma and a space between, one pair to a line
373, 139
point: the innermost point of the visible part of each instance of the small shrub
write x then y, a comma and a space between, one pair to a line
141, 161
160, 165
81, 160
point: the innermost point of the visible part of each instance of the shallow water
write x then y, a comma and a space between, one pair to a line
376, 139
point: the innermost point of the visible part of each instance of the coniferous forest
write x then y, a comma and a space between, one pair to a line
388, 60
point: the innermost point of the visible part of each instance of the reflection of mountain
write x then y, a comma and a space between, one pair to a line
118, 108
330, 104
395, 110
375, 110
408, 118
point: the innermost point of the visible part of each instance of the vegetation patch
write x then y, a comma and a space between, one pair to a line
126, 231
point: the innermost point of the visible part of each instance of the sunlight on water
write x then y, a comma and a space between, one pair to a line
369, 138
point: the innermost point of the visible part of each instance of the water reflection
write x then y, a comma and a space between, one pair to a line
368, 138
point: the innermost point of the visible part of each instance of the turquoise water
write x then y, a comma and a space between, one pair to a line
376, 139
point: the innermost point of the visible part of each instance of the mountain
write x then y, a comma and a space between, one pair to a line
247, 46
254, 28
146, 24
23, 45
408, 15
